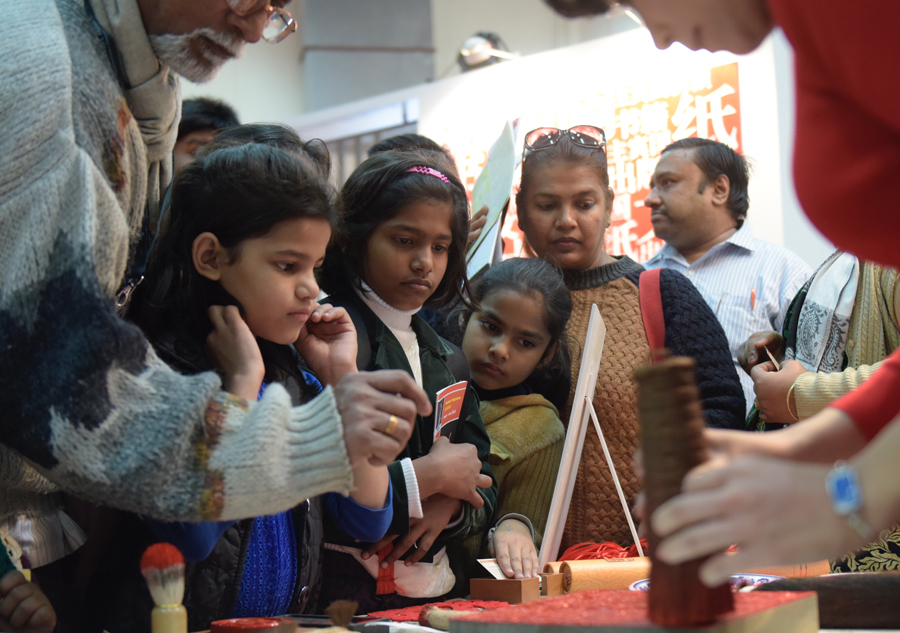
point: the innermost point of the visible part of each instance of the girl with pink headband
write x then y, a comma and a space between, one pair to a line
401, 246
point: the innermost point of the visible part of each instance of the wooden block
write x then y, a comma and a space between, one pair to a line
513, 591
672, 426
601, 611
850, 601
551, 584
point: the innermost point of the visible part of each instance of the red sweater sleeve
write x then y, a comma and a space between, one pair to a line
877, 401
847, 143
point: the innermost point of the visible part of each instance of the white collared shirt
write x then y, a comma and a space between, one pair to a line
749, 284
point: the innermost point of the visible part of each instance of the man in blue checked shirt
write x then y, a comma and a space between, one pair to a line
698, 203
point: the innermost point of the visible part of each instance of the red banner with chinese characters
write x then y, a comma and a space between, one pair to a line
643, 127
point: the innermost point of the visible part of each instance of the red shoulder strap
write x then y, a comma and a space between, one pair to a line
652, 312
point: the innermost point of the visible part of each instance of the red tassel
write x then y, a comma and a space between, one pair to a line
385, 582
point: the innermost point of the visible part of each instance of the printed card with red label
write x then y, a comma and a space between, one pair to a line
448, 409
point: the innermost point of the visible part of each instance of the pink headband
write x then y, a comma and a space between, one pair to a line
428, 171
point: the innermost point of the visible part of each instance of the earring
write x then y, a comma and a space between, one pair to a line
608, 221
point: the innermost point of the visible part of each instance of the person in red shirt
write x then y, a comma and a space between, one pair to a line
846, 157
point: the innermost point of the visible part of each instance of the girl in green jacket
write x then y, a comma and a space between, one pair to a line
401, 246
518, 355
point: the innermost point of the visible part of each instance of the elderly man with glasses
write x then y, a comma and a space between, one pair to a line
89, 108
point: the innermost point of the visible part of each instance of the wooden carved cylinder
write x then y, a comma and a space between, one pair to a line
672, 440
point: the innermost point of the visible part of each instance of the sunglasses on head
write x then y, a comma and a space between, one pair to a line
587, 136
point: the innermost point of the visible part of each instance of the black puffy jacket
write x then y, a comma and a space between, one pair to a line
119, 601
211, 586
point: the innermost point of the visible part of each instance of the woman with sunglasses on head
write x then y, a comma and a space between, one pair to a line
564, 205
847, 88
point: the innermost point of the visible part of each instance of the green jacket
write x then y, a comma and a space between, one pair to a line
388, 354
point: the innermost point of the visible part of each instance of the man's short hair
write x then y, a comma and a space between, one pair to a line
715, 159
205, 114
579, 8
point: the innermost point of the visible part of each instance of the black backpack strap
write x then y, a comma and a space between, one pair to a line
364, 358
456, 361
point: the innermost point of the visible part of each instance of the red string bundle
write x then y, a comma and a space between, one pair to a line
385, 583
597, 551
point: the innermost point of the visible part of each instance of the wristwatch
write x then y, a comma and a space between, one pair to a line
842, 484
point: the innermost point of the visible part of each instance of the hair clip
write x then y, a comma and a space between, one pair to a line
428, 171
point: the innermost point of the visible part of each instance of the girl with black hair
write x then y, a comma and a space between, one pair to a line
516, 345
232, 286
401, 246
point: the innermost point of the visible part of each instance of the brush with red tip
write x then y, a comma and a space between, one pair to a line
163, 567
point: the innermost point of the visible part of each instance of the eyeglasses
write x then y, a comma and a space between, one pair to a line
584, 135
280, 23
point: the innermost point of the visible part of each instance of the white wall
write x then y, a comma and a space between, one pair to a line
526, 26
357, 48
267, 83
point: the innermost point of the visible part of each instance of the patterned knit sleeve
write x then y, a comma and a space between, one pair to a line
693, 330
84, 397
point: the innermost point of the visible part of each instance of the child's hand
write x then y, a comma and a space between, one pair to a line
476, 224
453, 470
328, 343
233, 350
514, 550
439, 511
23, 606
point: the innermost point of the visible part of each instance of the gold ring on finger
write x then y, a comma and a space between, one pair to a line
392, 424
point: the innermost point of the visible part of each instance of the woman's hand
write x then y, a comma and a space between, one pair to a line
328, 343
777, 511
722, 446
476, 225
438, 511
753, 351
514, 550
232, 349
772, 388
23, 606
453, 470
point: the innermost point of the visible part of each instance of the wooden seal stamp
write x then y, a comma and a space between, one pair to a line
672, 441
